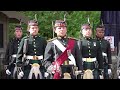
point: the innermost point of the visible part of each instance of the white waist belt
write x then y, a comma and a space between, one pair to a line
104, 54
89, 59
34, 57
71, 63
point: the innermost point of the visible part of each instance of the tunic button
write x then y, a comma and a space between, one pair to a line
89, 53
89, 50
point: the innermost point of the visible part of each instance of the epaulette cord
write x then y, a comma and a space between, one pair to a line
51, 39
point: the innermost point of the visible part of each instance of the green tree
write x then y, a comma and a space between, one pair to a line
74, 21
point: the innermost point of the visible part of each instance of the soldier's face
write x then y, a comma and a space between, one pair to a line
18, 33
61, 31
33, 30
100, 32
86, 31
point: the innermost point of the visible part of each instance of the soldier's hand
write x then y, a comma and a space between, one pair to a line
50, 68
78, 72
8, 72
118, 72
46, 74
118, 77
56, 67
21, 74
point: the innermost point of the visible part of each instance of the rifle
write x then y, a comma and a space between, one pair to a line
23, 44
50, 75
24, 50
65, 17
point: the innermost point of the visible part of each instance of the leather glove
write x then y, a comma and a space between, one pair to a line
8, 72
109, 71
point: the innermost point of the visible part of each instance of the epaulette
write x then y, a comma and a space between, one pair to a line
51, 39
73, 38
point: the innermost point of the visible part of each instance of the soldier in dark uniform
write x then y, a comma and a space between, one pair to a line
32, 48
106, 50
91, 54
55, 51
11, 51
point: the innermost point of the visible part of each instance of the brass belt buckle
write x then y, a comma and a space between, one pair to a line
35, 57
66, 62
89, 60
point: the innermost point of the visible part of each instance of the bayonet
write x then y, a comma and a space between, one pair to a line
88, 20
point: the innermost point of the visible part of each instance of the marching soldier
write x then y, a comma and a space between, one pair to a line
106, 51
11, 51
32, 48
91, 54
62, 55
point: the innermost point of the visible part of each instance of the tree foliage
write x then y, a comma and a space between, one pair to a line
74, 21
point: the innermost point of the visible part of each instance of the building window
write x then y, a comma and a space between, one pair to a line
1, 35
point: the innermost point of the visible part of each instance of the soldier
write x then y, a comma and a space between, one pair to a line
91, 54
32, 48
11, 51
106, 51
62, 54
